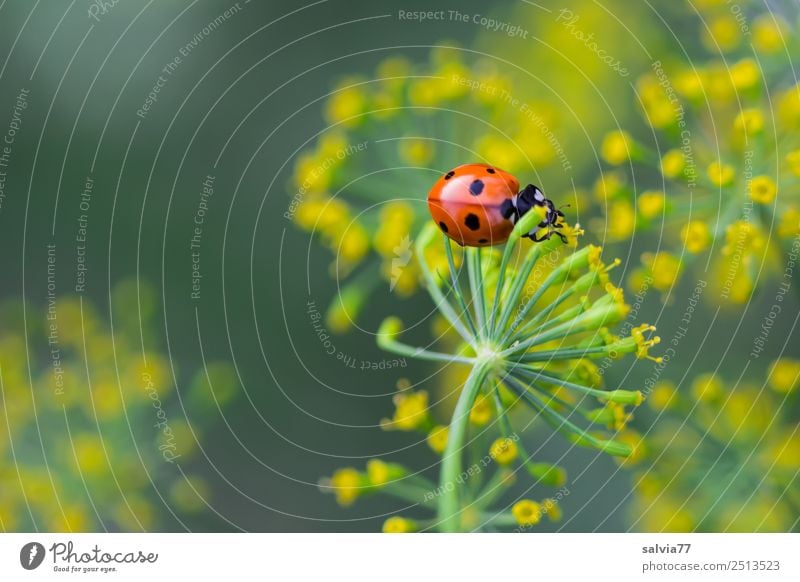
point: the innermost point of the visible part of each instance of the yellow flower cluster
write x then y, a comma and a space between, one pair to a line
725, 456
712, 182
89, 474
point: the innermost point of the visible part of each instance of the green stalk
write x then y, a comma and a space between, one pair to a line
436, 294
462, 303
501, 276
476, 289
449, 493
390, 345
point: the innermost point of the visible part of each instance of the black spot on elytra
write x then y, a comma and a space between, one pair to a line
443, 226
490, 170
476, 187
449, 174
483, 241
472, 221
507, 208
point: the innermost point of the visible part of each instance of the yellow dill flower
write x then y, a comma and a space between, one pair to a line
552, 510
789, 106
673, 163
784, 375
789, 225
107, 400
621, 220
538, 150
398, 524
707, 388
74, 518
527, 512
749, 121
379, 473
651, 203
416, 152
745, 74
571, 233
762, 189
449, 70
743, 235
90, 454
608, 185
395, 223
346, 104
613, 415
353, 244
723, 34
503, 451
689, 83
769, 34
663, 395
347, 484
411, 411
785, 450
481, 412
437, 439
322, 214
404, 279
500, 152
424, 93
665, 268
617, 147
393, 71
332, 144
657, 107
636, 443
310, 175
696, 236
718, 84
793, 159
667, 515
721, 174
643, 344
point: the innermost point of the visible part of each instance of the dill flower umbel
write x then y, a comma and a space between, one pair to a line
410, 121
530, 318
722, 145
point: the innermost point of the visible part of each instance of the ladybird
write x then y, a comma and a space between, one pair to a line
477, 205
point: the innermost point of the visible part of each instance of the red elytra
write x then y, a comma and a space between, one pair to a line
473, 204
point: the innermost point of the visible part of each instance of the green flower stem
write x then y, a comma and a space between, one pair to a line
591, 319
433, 289
448, 246
539, 321
519, 284
570, 354
533, 373
449, 491
410, 493
501, 275
502, 519
391, 345
522, 313
494, 489
476, 289
524, 225
563, 425
555, 419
